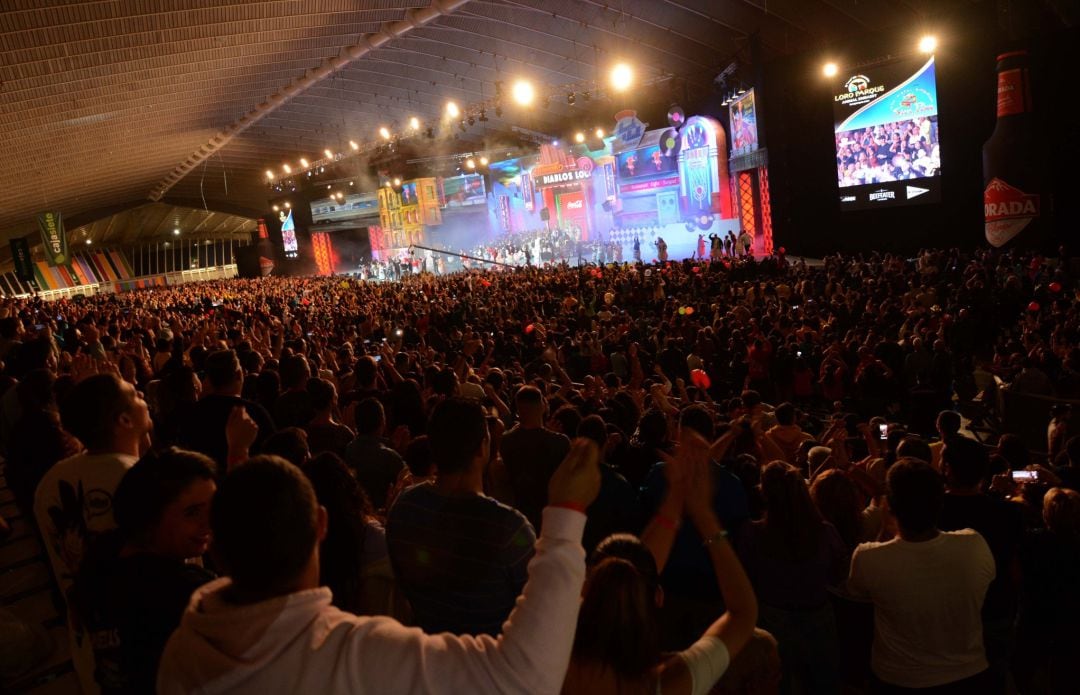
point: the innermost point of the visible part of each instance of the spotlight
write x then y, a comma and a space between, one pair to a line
472, 120
498, 110
288, 205
470, 163
176, 232
579, 138
276, 208
830, 69
303, 163
622, 76
452, 110
328, 153
600, 133
352, 144
523, 92
742, 90
483, 116
928, 44
89, 241
352, 183
269, 174
554, 143
570, 99
483, 161
384, 132
414, 123
397, 181
286, 168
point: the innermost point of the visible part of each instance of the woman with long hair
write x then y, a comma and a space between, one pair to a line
353, 560
837, 500
617, 643
793, 556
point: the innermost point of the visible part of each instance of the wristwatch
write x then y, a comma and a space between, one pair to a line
715, 538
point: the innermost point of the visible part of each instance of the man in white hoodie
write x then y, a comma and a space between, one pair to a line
269, 627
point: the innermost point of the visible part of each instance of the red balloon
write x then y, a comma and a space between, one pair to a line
530, 328
700, 379
1034, 307
1055, 287
782, 250
697, 269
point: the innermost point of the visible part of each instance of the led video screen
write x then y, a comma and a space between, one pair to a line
886, 131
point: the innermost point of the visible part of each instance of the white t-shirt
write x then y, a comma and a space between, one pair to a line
73, 503
928, 601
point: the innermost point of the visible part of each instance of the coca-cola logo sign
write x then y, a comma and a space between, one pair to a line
1007, 210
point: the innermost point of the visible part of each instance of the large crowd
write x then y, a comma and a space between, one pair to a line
736, 476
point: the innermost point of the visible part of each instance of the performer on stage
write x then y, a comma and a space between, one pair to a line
700, 246
716, 247
661, 249
637, 250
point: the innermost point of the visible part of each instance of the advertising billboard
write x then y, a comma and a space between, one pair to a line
886, 131
743, 120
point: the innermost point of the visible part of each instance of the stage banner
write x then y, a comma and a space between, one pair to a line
20, 255
53, 237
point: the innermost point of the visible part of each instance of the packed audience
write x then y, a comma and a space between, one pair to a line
734, 476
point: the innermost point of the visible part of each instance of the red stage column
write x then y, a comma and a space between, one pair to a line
746, 203
766, 209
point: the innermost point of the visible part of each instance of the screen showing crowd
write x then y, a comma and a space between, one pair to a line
887, 138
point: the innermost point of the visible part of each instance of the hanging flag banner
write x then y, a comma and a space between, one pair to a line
20, 255
53, 237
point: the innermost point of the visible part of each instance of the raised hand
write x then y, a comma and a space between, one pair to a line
576, 482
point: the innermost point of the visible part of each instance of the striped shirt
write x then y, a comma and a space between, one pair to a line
460, 560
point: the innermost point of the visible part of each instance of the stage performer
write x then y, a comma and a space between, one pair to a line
700, 246
637, 250
716, 247
661, 249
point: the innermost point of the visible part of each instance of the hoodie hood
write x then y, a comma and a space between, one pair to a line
224, 643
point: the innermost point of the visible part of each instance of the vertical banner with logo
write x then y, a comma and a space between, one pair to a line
53, 238
20, 255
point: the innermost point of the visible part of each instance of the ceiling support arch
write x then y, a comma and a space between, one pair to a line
390, 30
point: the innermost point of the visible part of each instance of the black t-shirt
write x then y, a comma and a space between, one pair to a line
130, 606
1001, 525
203, 428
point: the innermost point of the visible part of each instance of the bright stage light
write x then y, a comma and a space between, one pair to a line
328, 153
830, 69
600, 133
88, 242
414, 123
352, 144
928, 43
523, 92
452, 110
622, 76
286, 168
470, 163
176, 232
276, 208
288, 205
483, 161
579, 138
303, 163
554, 143
384, 132
269, 174
397, 182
